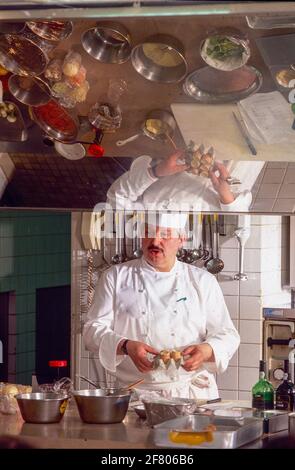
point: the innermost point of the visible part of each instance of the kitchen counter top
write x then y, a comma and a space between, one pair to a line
143, 95
72, 433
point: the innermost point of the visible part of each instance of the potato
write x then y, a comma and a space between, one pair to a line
10, 389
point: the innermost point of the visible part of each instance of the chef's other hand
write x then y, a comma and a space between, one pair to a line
137, 351
220, 184
169, 166
198, 353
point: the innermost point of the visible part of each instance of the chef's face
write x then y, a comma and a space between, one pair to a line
160, 246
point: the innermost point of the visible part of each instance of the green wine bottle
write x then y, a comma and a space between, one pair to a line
263, 391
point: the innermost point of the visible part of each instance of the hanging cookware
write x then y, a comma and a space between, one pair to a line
157, 125
108, 42
215, 265
160, 58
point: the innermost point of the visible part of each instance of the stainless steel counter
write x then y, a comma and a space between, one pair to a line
72, 433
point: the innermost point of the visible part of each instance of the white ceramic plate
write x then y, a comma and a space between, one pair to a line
70, 151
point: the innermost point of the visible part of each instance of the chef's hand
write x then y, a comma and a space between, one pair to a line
138, 351
220, 184
169, 166
198, 353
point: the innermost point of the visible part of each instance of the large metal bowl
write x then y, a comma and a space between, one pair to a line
160, 58
108, 42
31, 91
100, 406
42, 407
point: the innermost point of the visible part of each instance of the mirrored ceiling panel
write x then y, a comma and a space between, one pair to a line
189, 112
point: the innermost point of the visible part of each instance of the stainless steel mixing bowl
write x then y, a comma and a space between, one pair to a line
108, 42
31, 91
102, 406
152, 59
42, 407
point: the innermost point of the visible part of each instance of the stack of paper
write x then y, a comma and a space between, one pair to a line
268, 118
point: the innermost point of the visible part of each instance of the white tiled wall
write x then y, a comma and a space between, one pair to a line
274, 189
264, 266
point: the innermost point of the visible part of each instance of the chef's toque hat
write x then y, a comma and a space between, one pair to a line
176, 220
168, 220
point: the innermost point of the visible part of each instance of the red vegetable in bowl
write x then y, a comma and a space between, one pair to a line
56, 117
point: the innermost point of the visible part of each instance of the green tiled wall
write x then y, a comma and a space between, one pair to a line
35, 252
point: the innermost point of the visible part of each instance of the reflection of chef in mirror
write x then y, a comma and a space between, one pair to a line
150, 307
171, 185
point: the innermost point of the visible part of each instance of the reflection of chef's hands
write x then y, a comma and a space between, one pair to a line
137, 351
198, 353
220, 184
169, 166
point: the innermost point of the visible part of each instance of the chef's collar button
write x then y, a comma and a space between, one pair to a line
143, 313
172, 334
174, 311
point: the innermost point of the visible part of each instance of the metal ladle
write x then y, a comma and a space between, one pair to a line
118, 257
196, 253
215, 265
158, 125
136, 250
205, 252
210, 258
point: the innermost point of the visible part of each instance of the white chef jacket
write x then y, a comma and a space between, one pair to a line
167, 310
137, 189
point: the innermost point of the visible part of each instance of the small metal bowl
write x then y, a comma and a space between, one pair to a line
42, 407
160, 58
230, 62
108, 42
100, 406
28, 90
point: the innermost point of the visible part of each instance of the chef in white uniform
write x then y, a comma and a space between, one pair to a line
167, 186
154, 303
